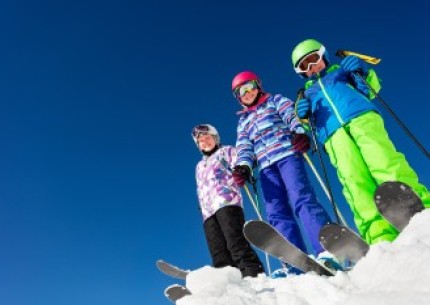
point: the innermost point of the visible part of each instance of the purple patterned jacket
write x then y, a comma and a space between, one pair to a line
215, 185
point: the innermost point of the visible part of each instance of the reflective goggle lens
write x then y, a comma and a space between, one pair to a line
312, 58
199, 129
246, 87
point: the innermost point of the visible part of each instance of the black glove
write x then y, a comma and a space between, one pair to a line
241, 174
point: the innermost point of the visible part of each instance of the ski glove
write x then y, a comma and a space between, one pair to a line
352, 63
361, 86
300, 143
303, 108
241, 174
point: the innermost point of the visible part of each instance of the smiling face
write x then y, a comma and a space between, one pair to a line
247, 93
249, 97
206, 142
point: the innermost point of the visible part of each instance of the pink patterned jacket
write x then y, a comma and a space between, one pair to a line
215, 185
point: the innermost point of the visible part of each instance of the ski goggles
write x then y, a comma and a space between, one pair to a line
306, 62
198, 130
241, 90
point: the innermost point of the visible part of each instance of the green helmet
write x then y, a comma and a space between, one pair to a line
304, 48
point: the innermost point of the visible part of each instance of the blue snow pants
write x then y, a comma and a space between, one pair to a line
289, 198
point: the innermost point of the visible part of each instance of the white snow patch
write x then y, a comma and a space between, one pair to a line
392, 273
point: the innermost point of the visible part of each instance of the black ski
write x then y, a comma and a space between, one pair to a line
175, 292
172, 270
269, 240
343, 243
397, 202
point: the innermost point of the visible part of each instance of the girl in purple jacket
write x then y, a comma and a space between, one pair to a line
221, 204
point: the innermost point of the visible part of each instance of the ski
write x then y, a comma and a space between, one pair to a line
343, 243
171, 270
175, 292
265, 237
397, 202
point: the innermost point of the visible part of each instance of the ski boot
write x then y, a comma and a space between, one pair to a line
286, 271
328, 260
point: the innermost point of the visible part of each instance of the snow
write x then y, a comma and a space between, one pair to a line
391, 273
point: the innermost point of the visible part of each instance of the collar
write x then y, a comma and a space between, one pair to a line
262, 99
207, 154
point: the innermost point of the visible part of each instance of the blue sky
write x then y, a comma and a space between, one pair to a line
98, 99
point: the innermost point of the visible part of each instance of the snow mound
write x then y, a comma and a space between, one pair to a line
392, 273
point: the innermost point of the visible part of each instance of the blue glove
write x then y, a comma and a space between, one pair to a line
352, 63
361, 86
303, 108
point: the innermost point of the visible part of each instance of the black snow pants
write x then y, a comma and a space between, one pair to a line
227, 244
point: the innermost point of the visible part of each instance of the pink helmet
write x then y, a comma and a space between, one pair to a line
244, 77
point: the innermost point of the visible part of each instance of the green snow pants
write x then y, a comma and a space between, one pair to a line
364, 157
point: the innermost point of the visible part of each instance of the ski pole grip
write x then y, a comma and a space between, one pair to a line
340, 53
343, 54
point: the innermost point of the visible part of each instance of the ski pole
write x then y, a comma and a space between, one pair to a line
300, 95
253, 202
341, 54
331, 198
323, 186
256, 205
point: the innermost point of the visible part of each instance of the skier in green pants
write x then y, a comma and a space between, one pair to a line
353, 134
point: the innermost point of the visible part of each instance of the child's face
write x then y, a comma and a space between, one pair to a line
249, 97
206, 142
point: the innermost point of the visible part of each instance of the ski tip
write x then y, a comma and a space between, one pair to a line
248, 224
257, 229
159, 262
174, 287
392, 186
175, 292
256, 224
252, 227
